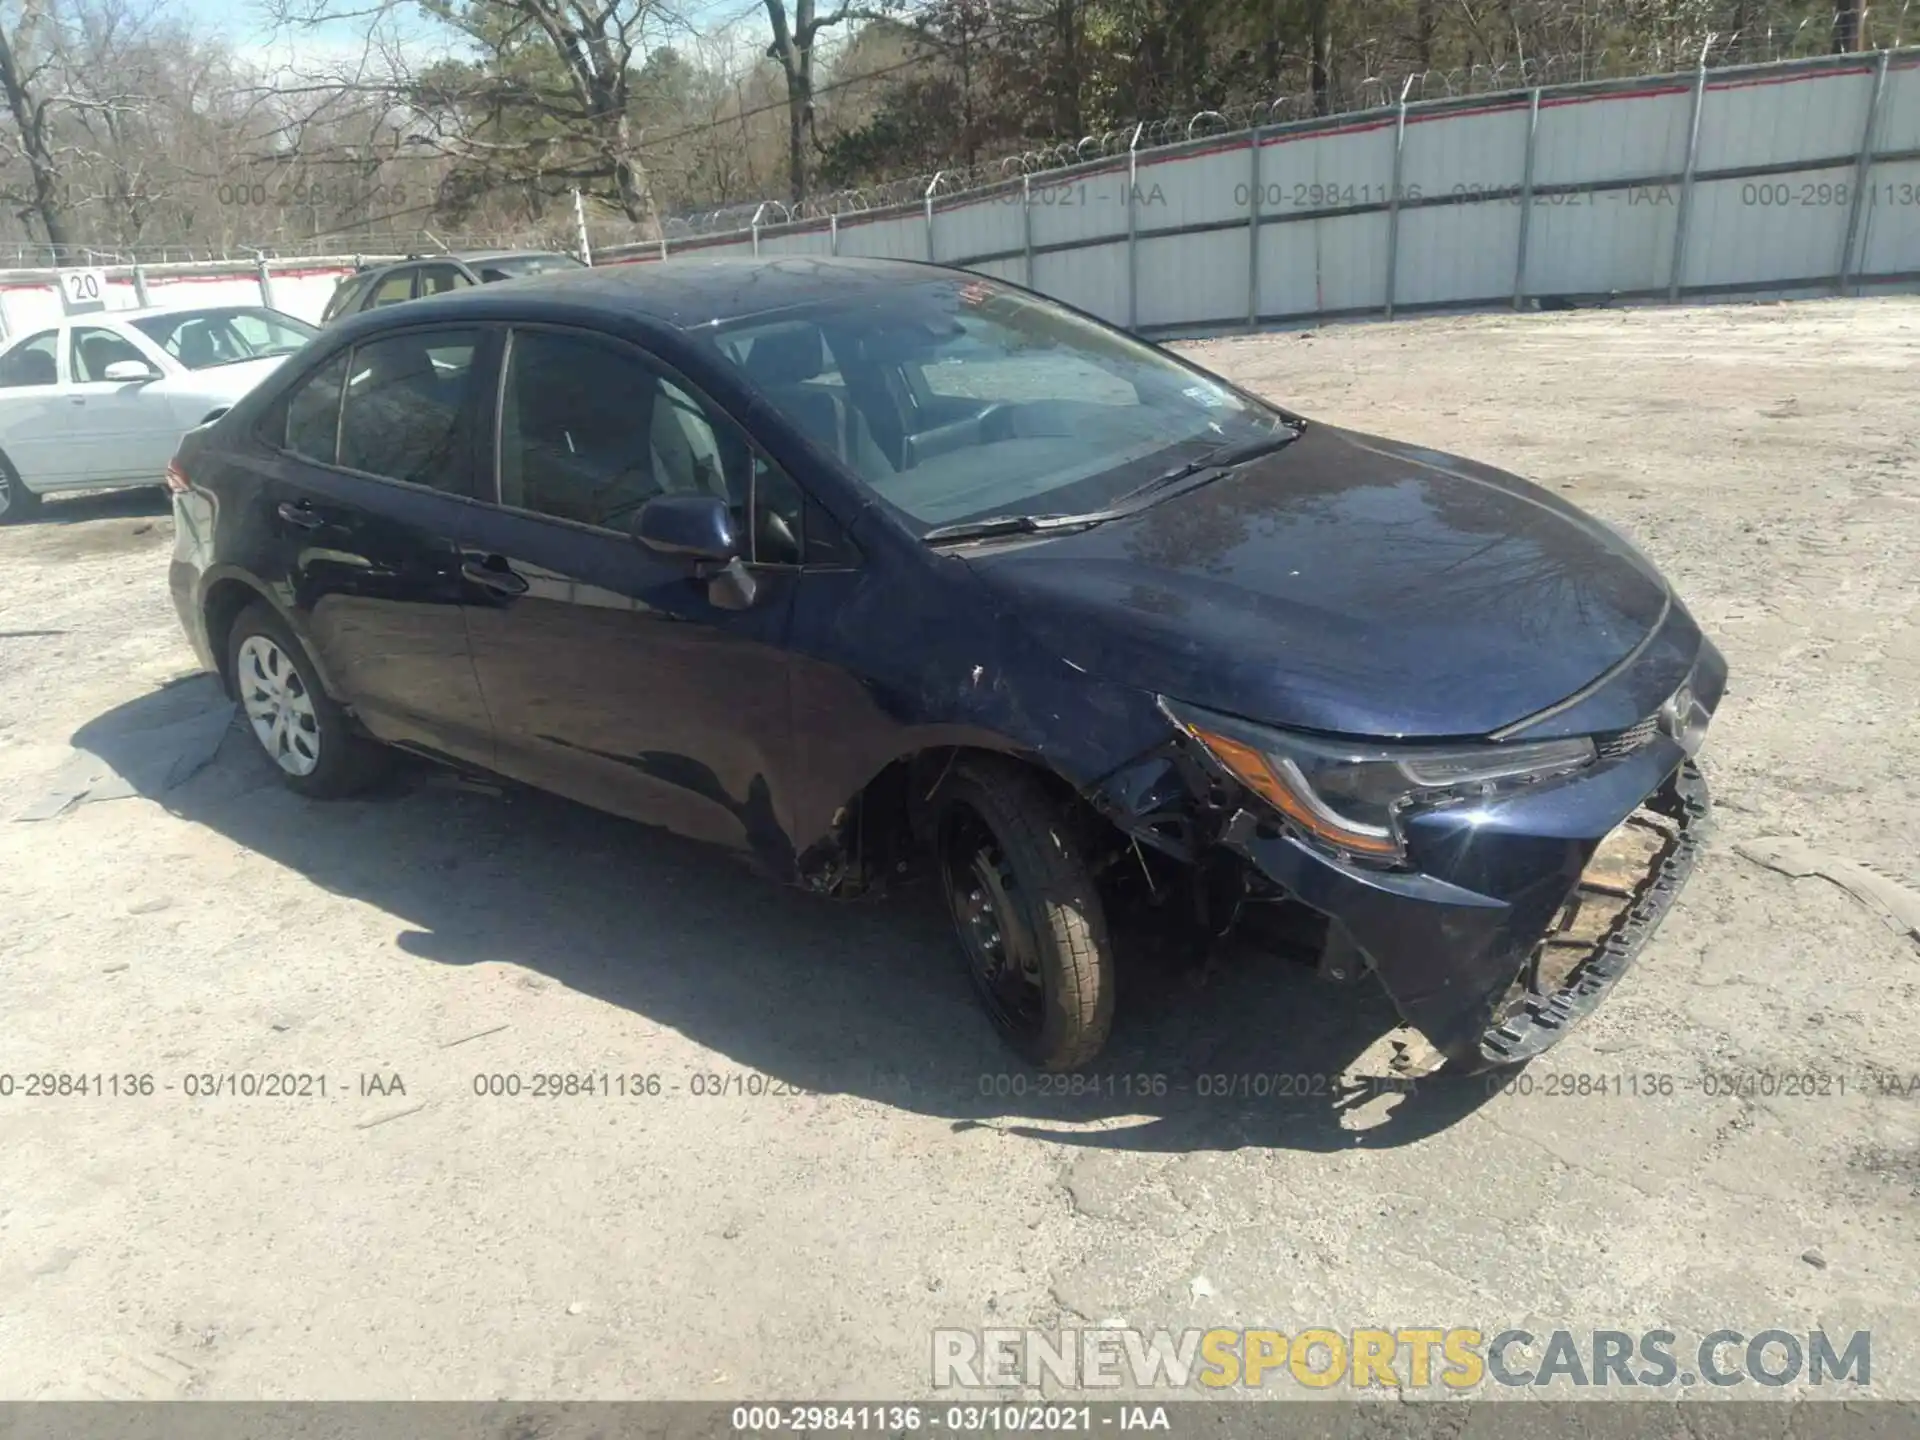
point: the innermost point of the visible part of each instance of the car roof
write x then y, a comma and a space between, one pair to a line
470, 257
692, 291
141, 312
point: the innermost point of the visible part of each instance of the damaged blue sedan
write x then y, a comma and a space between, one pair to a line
868, 569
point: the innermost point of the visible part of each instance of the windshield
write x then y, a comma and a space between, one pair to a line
512, 267
956, 399
202, 339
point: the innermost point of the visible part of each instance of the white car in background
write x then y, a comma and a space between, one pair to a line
100, 400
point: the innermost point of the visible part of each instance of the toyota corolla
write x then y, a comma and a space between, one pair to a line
869, 569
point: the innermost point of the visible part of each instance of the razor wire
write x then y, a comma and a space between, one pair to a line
1332, 101
1378, 87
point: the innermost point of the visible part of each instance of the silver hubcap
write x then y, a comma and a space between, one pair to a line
6, 493
278, 705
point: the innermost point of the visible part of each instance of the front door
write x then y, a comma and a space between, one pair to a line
368, 497
122, 429
610, 674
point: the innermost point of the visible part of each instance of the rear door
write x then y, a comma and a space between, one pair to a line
37, 414
369, 493
610, 675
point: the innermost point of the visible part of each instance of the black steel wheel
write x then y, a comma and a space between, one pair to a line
1027, 914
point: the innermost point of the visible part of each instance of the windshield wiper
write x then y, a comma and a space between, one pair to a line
1014, 525
1220, 459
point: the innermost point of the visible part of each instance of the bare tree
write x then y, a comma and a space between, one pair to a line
119, 128
794, 44
32, 95
546, 106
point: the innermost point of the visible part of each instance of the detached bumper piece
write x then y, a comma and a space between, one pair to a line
1622, 895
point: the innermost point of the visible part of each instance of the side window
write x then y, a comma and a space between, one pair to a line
400, 416
684, 439
92, 349
391, 291
826, 543
439, 279
313, 413
590, 431
849, 415
779, 516
32, 362
579, 431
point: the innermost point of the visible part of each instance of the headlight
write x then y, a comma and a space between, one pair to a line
1349, 795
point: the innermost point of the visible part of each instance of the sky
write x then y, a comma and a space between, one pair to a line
249, 29
245, 25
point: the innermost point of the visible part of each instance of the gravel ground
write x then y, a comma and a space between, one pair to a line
437, 1244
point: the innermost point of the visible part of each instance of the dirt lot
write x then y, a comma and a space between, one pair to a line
434, 1243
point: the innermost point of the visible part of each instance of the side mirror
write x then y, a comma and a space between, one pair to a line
695, 527
700, 528
129, 370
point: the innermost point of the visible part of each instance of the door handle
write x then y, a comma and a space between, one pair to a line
302, 515
496, 575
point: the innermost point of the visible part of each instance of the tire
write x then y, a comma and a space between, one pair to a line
16, 501
308, 737
1027, 913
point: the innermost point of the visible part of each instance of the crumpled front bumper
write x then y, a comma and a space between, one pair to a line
1449, 941
1484, 940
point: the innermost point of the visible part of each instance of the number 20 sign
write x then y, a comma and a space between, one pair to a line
83, 289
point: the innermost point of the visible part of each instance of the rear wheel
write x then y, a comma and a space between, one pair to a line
307, 736
16, 501
1027, 913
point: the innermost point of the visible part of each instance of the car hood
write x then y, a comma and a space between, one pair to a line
1345, 584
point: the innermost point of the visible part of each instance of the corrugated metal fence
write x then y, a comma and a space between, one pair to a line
1794, 177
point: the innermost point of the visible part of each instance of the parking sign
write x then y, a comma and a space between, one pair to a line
83, 289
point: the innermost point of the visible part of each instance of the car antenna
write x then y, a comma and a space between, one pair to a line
445, 249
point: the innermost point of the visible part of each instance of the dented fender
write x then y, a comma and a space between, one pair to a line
874, 681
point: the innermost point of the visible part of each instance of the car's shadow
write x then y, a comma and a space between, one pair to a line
866, 998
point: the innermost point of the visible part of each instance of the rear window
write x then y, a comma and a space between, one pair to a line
513, 267
346, 296
400, 416
313, 413
396, 288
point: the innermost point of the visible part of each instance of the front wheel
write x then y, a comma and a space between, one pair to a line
297, 723
1027, 913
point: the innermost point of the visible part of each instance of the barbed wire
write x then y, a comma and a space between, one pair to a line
1338, 97
1372, 92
